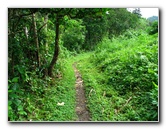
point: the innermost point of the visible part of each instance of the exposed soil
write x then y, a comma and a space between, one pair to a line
81, 109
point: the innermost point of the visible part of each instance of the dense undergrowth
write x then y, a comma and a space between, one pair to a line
47, 99
121, 79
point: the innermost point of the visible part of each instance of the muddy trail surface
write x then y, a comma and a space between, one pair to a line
81, 109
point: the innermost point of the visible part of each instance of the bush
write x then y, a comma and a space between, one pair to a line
74, 35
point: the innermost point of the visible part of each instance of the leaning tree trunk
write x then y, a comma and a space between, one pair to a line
36, 39
56, 48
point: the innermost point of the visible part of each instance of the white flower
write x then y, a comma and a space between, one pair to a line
60, 104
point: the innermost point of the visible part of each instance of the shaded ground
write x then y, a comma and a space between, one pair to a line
81, 109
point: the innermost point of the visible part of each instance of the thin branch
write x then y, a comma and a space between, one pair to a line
42, 26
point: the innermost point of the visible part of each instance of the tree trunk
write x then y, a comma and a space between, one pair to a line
56, 48
36, 39
46, 44
45, 29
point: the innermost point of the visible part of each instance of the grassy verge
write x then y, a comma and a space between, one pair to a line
62, 92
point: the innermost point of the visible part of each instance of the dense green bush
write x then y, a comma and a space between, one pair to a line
74, 35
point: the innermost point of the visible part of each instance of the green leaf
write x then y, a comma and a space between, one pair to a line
9, 81
15, 79
156, 86
15, 87
9, 91
9, 103
22, 113
20, 108
13, 96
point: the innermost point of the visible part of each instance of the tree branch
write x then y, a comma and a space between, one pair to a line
42, 26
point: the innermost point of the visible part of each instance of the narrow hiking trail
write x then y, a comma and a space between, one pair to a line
81, 109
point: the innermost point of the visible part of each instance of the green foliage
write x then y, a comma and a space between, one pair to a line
74, 35
32, 98
119, 20
15, 103
120, 81
153, 29
95, 31
113, 23
40, 103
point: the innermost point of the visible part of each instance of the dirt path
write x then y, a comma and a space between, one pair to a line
81, 109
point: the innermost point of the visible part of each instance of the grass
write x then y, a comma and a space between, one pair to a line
97, 92
63, 91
